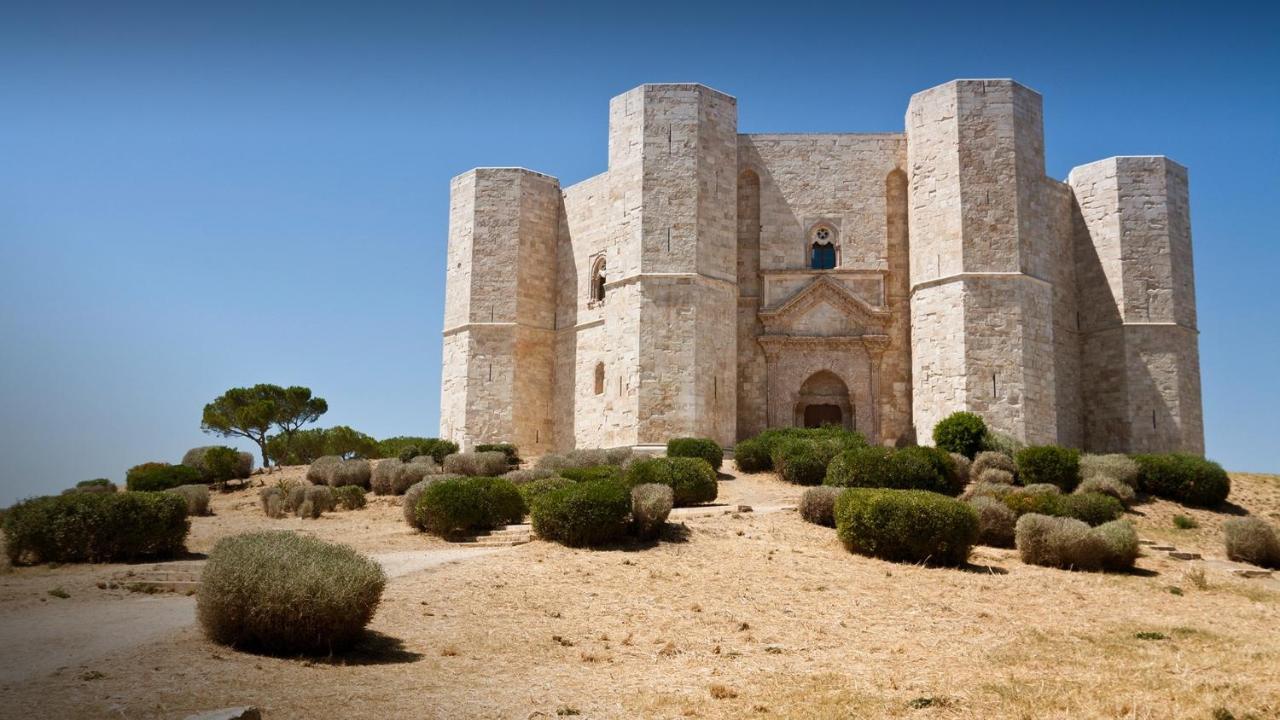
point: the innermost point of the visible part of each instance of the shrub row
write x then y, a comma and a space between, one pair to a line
333, 471
157, 476
1049, 465
906, 525
1187, 479
460, 507
89, 527
583, 458
477, 464
757, 454
583, 514
913, 468
406, 448
393, 476
704, 448
692, 481
507, 449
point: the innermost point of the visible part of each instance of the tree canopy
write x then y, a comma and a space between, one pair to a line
251, 413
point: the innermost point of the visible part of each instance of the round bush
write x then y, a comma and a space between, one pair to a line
154, 477
531, 490
1049, 464
272, 500
98, 485
349, 497
877, 467
528, 475
349, 472
906, 525
804, 460
1092, 508
382, 477
986, 489
704, 448
691, 479
996, 522
1120, 468
584, 514
1187, 479
284, 593
960, 432
96, 527
992, 460
752, 456
944, 470
650, 506
510, 451
1252, 540
996, 476
460, 507
961, 470
409, 504
1107, 485
218, 463
406, 475
195, 496
316, 501
318, 471
818, 505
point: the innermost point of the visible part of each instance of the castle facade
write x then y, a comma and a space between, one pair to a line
714, 284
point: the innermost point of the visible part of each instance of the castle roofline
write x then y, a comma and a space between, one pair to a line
1118, 159
685, 86
957, 81
506, 168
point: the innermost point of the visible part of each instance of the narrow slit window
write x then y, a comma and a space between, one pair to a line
600, 378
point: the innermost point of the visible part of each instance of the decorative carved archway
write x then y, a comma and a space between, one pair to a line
824, 399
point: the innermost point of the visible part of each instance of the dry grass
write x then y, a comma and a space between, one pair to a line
790, 622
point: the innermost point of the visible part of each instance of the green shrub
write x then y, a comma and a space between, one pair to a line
284, 593
99, 485
218, 463
961, 470
818, 505
409, 504
704, 448
1071, 544
906, 525
996, 522
349, 497
752, 456
1106, 485
96, 527
156, 476
195, 496
691, 479
408, 453
587, 474
512, 453
1120, 468
960, 432
843, 439
877, 467
650, 506
1092, 508
992, 460
1184, 522
435, 447
804, 460
531, 490
1038, 500
585, 514
1049, 464
943, 467
1187, 479
461, 507
316, 501
477, 464
1252, 540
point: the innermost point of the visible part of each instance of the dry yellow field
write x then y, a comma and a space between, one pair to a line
733, 616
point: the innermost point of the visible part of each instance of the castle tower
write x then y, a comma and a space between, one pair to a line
500, 309
1139, 343
982, 298
673, 169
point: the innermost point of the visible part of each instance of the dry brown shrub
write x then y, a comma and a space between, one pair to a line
817, 505
992, 460
1252, 540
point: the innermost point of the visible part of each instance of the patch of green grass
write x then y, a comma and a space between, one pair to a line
58, 592
1150, 635
1184, 522
1174, 590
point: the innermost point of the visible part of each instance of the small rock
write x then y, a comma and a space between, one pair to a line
1247, 573
235, 713
1184, 555
1163, 548
744, 508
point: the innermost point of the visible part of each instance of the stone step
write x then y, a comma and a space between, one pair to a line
1162, 548
1250, 573
1176, 555
165, 576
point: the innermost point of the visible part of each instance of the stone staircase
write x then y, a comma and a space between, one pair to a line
508, 536
182, 577
1236, 569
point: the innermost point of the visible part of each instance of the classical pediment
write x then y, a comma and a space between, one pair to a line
824, 308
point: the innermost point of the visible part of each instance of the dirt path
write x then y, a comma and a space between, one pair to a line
43, 639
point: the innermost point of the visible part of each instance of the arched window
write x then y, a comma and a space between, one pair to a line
822, 250
599, 378
597, 281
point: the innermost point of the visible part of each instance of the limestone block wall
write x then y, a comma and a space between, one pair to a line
855, 185
500, 298
1140, 356
977, 187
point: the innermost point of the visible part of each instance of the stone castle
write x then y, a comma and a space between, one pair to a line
711, 283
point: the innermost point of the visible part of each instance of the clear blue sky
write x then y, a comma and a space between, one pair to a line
197, 198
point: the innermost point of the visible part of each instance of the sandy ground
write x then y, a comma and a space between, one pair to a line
733, 615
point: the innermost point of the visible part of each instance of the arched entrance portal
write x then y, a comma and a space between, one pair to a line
824, 400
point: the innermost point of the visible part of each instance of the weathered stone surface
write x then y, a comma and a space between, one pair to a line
236, 713
674, 294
